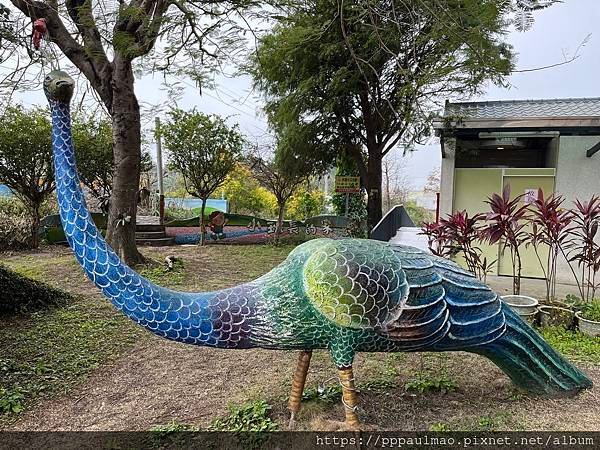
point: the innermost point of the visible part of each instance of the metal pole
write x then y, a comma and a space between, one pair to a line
159, 170
347, 203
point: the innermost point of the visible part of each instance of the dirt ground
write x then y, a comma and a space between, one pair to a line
156, 381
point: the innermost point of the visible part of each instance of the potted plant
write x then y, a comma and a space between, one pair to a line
589, 318
506, 224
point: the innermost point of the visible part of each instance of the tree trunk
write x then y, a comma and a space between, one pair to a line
386, 173
202, 230
125, 113
279, 220
35, 226
373, 185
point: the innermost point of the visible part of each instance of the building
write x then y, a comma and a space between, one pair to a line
551, 145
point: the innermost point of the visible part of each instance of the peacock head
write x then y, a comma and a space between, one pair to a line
58, 86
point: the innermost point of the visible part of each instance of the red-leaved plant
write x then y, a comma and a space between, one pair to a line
506, 224
459, 233
584, 249
437, 239
550, 227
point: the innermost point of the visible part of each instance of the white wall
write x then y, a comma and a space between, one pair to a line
447, 177
577, 177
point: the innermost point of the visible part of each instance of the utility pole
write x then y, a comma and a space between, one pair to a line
159, 170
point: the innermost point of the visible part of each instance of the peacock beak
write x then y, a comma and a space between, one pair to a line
63, 90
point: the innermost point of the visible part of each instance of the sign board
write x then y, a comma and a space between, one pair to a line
347, 184
530, 196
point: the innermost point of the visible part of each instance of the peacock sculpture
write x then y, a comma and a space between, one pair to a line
346, 296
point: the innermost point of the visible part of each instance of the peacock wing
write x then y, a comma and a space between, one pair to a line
448, 308
356, 283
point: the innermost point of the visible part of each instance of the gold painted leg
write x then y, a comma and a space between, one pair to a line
298, 385
349, 397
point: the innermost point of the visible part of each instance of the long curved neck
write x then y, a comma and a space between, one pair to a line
228, 318
127, 290
99, 261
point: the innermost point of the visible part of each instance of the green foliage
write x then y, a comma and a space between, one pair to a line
379, 384
591, 310
164, 276
15, 226
323, 70
12, 207
54, 349
281, 177
326, 394
246, 195
424, 382
93, 143
173, 212
495, 421
26, 159
7, 32
418, 214
440, 427
14, 233
572, 344
203, 148
21, 294
357, 206
304, 204
11, 400
172, 427
252, 416
574, 301
26, 153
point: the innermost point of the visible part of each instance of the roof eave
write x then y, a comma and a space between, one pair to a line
519, 122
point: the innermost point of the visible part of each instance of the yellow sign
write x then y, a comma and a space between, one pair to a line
347, 184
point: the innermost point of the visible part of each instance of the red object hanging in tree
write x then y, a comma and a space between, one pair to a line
39, 31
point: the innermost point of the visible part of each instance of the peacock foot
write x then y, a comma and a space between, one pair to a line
339, 425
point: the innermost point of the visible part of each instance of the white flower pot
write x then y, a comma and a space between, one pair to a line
587, 326
521, 304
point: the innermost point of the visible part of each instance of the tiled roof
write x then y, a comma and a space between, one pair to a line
560, 107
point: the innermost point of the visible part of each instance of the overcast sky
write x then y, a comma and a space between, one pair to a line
556, 35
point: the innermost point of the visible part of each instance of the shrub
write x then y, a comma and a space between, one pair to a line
591, 310
21, 294
305, 204
418, 214
15, 222
15, 228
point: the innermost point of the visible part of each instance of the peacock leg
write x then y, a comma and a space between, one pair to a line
349, 397
298, 385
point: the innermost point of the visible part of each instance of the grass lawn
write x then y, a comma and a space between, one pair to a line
85, 367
